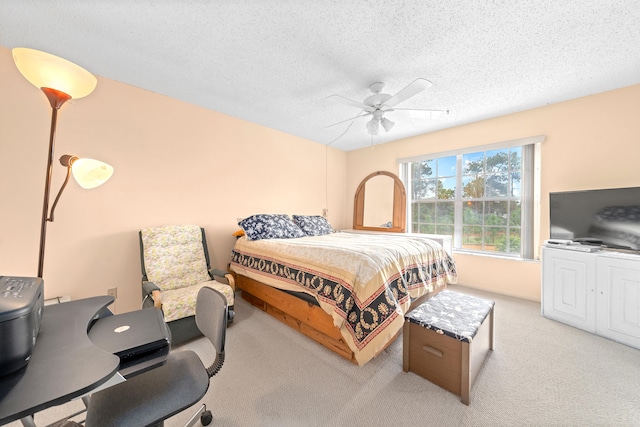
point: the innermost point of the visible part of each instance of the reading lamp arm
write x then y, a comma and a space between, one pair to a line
66, 160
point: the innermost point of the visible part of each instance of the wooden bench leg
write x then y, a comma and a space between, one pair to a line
465, 384
465, 368
405, 346
491, 329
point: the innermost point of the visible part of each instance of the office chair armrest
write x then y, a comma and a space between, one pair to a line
224, 274
154, 292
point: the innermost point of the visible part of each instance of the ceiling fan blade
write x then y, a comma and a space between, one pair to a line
351, 103
421, 110
348, 120
415, 87
417, 109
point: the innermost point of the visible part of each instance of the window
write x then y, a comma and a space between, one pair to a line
482, 198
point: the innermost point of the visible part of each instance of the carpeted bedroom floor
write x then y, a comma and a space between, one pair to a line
542, 373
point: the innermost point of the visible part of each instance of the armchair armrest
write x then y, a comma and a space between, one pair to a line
150, 289
224, 274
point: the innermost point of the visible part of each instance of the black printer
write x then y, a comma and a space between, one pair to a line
21, 304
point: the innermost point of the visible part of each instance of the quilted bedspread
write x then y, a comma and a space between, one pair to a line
366, 282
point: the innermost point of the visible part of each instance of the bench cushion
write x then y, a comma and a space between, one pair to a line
453, 314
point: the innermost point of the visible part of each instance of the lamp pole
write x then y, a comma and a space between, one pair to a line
56, 99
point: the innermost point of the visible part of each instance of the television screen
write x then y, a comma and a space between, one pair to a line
609, 217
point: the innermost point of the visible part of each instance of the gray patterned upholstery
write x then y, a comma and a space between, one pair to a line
453, 314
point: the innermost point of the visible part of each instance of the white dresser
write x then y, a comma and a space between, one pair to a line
598, 292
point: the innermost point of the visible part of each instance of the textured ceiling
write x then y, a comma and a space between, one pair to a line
276, 62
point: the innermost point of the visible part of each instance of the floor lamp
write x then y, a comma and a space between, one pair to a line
60, 80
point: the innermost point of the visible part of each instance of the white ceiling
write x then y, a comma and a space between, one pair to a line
275, 62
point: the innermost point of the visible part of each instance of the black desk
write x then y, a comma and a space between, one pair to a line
64, 364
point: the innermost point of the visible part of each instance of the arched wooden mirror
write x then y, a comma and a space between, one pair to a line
380, 204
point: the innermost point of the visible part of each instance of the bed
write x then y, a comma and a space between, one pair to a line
347, 291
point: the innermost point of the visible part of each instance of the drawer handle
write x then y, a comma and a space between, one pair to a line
432, 350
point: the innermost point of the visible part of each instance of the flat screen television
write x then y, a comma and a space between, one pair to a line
609, 217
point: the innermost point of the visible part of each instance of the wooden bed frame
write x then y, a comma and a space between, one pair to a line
303, 316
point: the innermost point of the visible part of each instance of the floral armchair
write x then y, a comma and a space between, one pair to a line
175, 266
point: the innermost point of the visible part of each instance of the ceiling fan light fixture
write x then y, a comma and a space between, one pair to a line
372, 126
378, 103
387, 124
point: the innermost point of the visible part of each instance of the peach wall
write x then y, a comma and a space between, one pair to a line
174, 163
178, 163
591, 142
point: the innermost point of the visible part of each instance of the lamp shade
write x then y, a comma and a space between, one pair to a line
372, 126
387, 124
44, 70
90, 173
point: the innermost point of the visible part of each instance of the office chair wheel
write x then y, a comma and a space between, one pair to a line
206, 418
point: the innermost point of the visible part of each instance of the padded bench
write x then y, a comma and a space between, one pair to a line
446, 340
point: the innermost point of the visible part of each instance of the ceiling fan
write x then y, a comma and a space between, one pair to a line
377, 104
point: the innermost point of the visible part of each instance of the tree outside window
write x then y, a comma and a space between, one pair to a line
488, 198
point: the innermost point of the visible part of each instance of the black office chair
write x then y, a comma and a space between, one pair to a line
150, 398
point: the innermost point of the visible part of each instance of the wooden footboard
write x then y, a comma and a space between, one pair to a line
307, 318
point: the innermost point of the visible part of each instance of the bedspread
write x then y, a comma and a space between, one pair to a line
366, 282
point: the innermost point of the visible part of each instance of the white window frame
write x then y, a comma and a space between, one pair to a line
530, 192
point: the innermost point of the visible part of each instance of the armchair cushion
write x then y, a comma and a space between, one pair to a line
174, 256
179, 303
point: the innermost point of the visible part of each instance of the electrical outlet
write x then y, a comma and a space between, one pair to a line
113, 292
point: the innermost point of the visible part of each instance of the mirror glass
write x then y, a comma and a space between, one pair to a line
378, 202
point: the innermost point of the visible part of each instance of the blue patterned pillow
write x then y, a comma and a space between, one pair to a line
270, 226
313, 225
